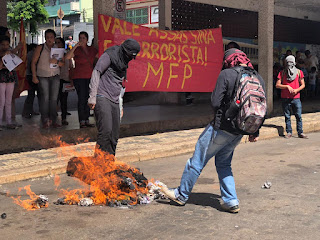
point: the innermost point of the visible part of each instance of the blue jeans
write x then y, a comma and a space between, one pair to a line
49, 90
297, 109
220, 144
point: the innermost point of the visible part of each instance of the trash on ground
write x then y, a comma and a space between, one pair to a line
86, 202
266, 185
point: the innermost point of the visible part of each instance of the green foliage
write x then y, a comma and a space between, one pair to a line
32, 11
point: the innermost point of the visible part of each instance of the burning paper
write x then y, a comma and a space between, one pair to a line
35, 201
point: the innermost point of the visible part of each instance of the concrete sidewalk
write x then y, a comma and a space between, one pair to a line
26, 165
137, 120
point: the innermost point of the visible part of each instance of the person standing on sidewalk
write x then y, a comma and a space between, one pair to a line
106, 87
48, 79
64, 79
84, 57
291, 82
28, 111
219, 139
7, 82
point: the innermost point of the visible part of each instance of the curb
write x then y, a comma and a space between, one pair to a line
130, 150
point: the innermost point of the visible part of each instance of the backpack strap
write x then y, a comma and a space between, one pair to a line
40, 53
240, 70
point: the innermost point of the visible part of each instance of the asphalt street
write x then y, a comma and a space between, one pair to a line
290, 209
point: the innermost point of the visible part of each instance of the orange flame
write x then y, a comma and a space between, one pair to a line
104, 179
29, 204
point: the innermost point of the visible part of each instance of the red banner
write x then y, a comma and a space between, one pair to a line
169, 61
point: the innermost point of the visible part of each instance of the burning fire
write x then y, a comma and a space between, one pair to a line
105, 181
108, 181
35, 201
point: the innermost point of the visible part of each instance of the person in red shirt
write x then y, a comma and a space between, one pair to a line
291, 82
84, 57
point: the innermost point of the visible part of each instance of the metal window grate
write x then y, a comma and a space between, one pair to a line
138, 16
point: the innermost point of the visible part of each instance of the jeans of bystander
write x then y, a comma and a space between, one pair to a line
297, 111
82, 88
48, 91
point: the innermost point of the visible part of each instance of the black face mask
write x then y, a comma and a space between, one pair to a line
127, 57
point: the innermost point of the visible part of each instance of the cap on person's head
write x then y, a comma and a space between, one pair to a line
233, 45
307, 52
291, 58
131, 47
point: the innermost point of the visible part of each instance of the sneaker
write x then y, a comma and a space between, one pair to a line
83, 125
233, 209
289, 135
56, 125
89, 124
169, 192
302, 135
68, 113
28, 116
64, 122
12, 126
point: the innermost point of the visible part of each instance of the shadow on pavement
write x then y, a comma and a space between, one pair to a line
200, 199
279, 128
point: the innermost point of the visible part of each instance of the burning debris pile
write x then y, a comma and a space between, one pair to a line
105, 182
109, 183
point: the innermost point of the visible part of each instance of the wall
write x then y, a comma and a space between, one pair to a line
87, 5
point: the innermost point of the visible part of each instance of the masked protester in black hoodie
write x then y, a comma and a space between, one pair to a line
106, 91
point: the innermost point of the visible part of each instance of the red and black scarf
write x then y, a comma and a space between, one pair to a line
234, 57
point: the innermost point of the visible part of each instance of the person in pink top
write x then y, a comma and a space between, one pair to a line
85, 57
291, 82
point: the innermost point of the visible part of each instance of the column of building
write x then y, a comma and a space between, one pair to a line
265, 43
3, 13
101, 7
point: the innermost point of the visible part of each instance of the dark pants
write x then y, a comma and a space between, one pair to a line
28, 104
63, 98
107, 116
297, 110
82, 88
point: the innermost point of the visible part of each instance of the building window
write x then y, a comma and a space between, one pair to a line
138, 16
51, 3
57, 2
68, 1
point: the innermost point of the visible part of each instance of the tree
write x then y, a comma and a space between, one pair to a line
32, 12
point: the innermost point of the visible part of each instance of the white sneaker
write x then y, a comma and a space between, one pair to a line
169, 192
233, 209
